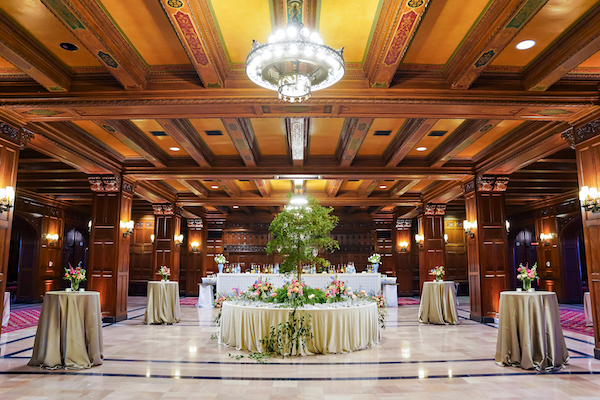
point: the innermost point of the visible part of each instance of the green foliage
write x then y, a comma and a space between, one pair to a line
288, 338
298, 230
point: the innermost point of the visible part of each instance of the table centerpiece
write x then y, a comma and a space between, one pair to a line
374, 259
75, 275
527, 275
221, 261
438, 272
164, 273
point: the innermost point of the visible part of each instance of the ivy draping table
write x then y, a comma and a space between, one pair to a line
226, 283
438, 303
162, 304
69, 332
335, 330
529, 332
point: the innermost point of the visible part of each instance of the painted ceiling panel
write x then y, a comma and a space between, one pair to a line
490, 137
545, 27
442, 30
105, 137
220, 145
592, 62
246, 185
348, 24
351, 185
375, 145
281, 185
431, 142
6, 65
177, 186
270, 135
232, 20
316, 185
148, 29
324, 135
164, 142
48, 30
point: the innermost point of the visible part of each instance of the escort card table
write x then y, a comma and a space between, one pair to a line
438, 303
335, 330
6, 311
162, 305
206, 297
529, 332
587, 309
69, 332
226, 283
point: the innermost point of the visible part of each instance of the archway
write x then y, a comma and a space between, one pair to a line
520, 241
75, 250
22, 260
574, 274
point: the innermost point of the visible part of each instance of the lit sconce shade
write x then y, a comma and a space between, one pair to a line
127, 226
152, 238
419, 238
404, 245
445, 238
507, 226
178, 239
469, 227
7, 198
588, 196
52, 238
545, 237
195, 245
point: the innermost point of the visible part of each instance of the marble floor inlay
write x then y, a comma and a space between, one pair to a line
180, 361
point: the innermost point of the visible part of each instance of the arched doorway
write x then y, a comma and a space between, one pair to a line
22, 260
523, 252
75, 250
574, 273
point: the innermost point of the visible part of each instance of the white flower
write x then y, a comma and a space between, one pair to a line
311, 296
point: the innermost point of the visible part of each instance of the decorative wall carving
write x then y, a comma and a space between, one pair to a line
164, 209
19, 136
403, 223
195, 223
492, 183
434, 209
107, 184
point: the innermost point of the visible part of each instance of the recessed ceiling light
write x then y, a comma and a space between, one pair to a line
174, 148
236, 206
525, 44
382, 187
421, 148
214, 187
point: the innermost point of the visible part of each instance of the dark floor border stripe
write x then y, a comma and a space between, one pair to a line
17, 340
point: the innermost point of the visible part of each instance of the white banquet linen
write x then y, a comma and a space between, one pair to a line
335, 330
206, 297
390, 292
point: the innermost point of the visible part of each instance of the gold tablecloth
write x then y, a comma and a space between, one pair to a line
335, 330
69, 332
438, 303
529, 332
162, 304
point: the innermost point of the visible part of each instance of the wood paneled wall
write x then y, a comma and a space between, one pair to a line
402, 263
192, 261
166, 252
432, 250
140, 267
456, 250
549, 263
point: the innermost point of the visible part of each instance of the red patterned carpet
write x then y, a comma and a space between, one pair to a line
188, 301
574, 321
407, 301
20, 319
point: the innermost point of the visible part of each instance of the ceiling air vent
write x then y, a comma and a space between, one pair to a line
382, 133
158, 133
353, 180
213, 133
437, 133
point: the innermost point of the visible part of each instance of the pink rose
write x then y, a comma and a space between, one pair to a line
273, 294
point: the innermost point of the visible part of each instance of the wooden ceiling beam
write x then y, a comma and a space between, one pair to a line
402, 187
398, 21
407, 137
442, 192
353, 133
297, 134
263, 186
194, 25
230, 187
367, 186
90, 24
130, 135
18, 48
568, 52
464, 136
242, 136
195, 187
333, 186
182, 131
498, 26
246, 209
154, 192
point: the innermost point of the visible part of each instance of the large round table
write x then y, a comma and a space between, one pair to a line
335, 330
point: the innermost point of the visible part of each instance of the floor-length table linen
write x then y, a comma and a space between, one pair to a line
529, 331
438, 303
390, 293
335, 330
587, 309
206, 297
162, 303
6, 310
69, 332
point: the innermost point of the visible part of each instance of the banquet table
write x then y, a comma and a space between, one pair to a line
587, 309
69, 332
438, 303
390, 293
335, 330
162, 304
206, 297
529, 332
6, 311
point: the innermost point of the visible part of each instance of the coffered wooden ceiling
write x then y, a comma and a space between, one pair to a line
434, 92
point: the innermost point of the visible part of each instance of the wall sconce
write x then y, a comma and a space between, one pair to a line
445, 238
469, 227
546, 238
404, 245
7, 198
128, 226
178, 240
588, 196
52, 238
195, 246
152, 238
419, 239
507, 226
90, 226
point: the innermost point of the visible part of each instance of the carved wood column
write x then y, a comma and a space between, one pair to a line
401, 245
194, 266
167, 225
487, 245
432, 247
108, 270
586, 141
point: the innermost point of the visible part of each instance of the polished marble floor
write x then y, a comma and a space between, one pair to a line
180, 361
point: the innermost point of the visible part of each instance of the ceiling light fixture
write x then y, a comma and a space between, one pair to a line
236, 206
421, 148
294, 62
174, 148
382, 187
525, 44
214, 187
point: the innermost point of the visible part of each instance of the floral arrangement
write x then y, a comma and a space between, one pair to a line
374, 258
220, 259
220, 300
336, 291
380, 300
527, 275
261, 289
294, 288
438, 272
164, 272
75, 275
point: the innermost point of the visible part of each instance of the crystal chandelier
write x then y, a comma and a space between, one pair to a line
294, 62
